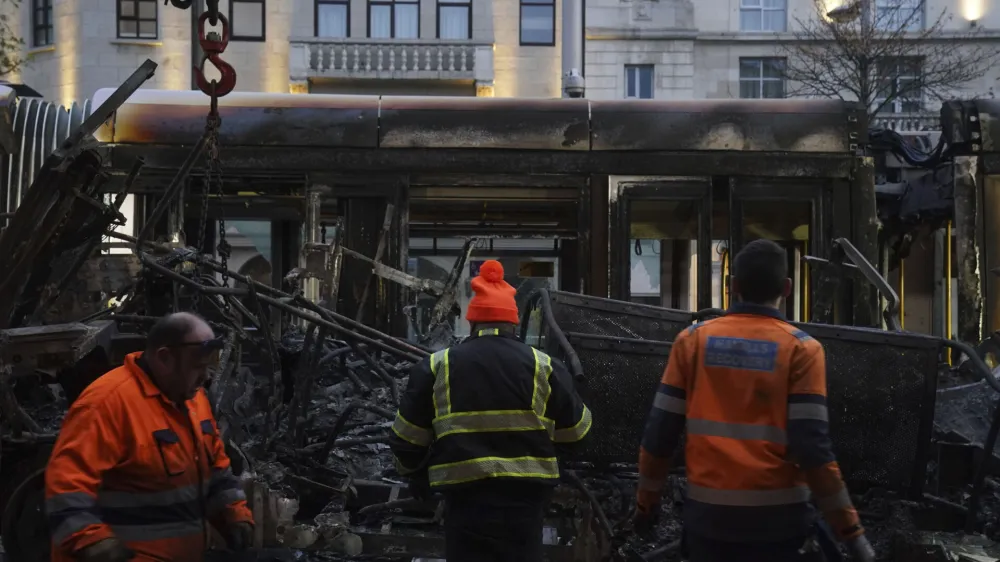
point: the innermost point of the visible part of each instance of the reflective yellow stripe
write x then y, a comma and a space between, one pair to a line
749, 498
401, 468
494, 420
412, 433
543, 369
440, 368
489, 332
493, 467
577, 432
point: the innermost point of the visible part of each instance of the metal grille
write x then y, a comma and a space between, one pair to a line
881, 386
606, 317
619, 403
39, 126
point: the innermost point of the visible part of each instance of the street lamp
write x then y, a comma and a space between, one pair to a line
847, 13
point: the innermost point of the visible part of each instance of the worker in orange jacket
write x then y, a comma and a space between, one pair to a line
751, 390
139, 467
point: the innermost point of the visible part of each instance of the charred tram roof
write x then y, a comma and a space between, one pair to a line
395, 122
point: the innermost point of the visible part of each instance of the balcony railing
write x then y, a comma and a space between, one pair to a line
385, 58
908, 122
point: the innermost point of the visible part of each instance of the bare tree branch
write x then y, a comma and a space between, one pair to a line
885, 57
11, 45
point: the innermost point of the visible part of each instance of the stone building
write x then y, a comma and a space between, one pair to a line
663, 49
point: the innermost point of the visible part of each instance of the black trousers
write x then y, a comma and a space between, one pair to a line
701, 549
478, 531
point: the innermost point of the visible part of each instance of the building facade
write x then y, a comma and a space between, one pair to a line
663, 49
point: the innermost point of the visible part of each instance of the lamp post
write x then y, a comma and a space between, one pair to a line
864, 225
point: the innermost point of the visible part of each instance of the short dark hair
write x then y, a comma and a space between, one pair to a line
760, 270
170, 330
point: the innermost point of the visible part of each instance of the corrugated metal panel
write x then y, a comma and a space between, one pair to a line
39, 127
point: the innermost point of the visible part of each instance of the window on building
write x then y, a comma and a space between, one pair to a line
246, 20
454, 19
538, 22
899, 83
762, 78
41, 23
899, 15
639, 81
399, 19
332, 18
137, 19
762, 15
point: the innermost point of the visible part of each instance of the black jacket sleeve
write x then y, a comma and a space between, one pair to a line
412, 432
565, 408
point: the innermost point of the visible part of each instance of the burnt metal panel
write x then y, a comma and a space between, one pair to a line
621, 376
881, 385
249, 119
451, 160
491, 123
988, 124
747, 125
881, 391
606, 317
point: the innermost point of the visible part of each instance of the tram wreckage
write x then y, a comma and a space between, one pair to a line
309, 379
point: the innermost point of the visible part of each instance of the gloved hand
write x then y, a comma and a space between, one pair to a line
107, 550
420, 486
239, 536
861, 549
644, 522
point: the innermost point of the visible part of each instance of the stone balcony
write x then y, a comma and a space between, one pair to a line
908, 122
417, 59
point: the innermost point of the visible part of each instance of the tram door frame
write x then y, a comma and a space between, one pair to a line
816, 192
668, 188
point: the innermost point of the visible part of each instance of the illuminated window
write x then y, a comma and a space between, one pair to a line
762, 78
762, 15
246, 18
41, 23
137, 19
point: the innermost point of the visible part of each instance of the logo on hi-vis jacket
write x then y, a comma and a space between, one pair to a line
739, 353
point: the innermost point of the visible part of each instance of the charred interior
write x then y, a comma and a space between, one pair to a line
334, 243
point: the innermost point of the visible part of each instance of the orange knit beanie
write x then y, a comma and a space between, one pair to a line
494, 299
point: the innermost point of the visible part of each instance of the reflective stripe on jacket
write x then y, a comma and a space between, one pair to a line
750, 391
493, 407
129, 463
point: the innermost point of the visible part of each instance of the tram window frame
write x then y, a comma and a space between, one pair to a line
775, 190
688, 189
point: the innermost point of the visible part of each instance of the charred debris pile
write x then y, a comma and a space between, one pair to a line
305, 396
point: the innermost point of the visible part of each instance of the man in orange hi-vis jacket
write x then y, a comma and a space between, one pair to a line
139, 467
748, 390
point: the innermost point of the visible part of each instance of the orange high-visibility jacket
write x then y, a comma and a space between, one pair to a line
129, 463
751, 390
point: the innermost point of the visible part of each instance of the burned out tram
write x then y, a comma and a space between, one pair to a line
640, 201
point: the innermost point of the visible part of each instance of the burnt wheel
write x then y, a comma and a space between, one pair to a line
25, 529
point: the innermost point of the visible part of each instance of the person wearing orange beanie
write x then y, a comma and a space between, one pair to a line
494, 298
480, 422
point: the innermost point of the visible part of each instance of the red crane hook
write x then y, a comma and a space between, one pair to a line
212, 48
